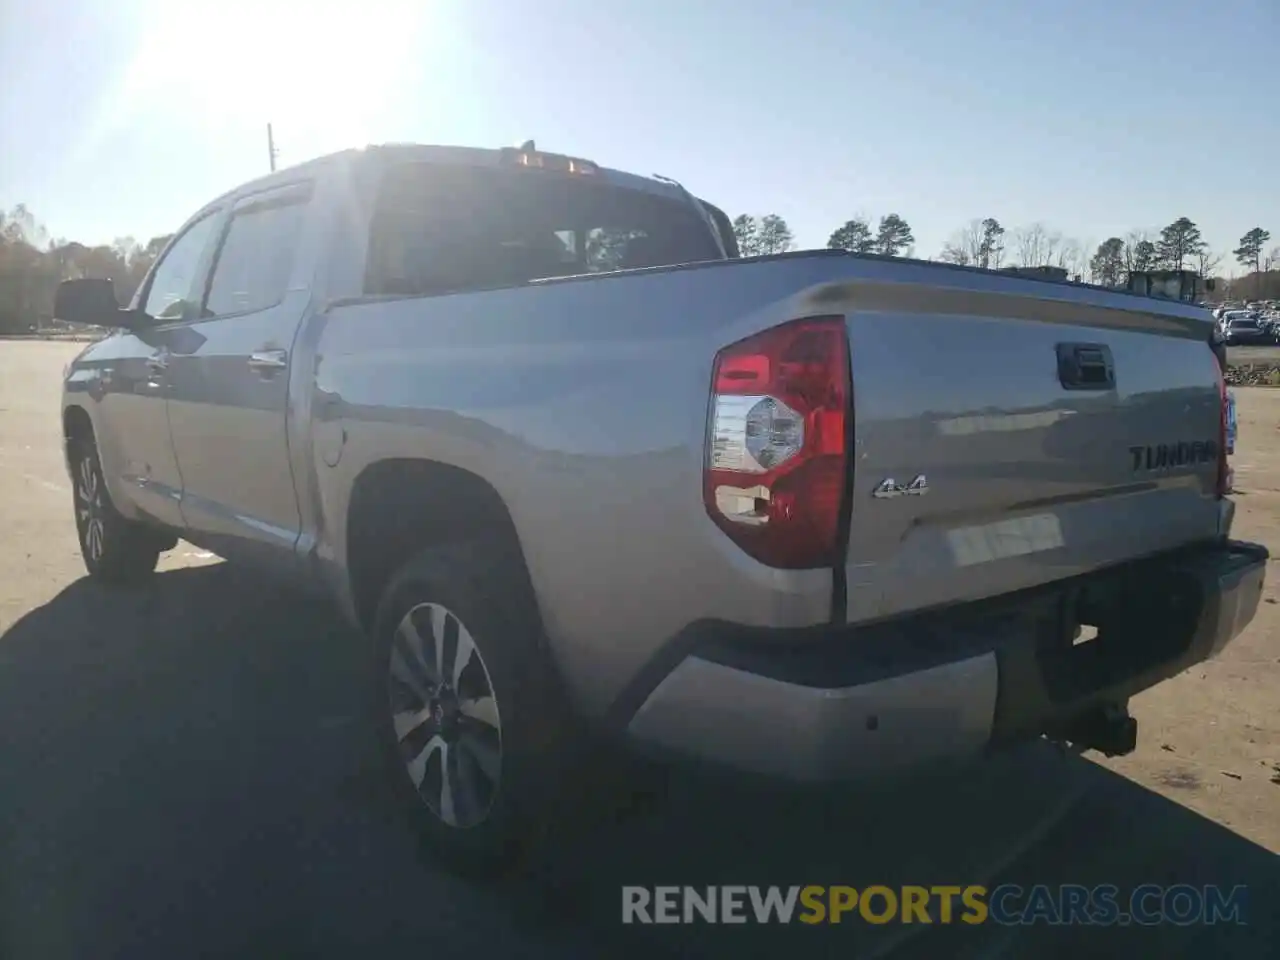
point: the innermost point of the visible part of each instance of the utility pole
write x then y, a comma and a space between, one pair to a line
271, 148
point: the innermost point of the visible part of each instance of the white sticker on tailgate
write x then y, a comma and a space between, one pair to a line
1016, 537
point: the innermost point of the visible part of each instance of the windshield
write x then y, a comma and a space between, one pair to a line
439, 229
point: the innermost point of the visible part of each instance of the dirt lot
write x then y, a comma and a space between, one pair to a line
182, 773
1253, 354
1211, 737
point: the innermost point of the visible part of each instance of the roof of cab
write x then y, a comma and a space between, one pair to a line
491, 157
433, 153
422, 153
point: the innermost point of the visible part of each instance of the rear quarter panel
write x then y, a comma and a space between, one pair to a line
584, 404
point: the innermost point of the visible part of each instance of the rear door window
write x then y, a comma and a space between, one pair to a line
440, 229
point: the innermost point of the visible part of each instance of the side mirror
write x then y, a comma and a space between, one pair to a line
92, 302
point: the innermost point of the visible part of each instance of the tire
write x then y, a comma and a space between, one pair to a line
477, 748
115, 550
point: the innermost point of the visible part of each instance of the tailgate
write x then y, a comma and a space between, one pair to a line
1007, 439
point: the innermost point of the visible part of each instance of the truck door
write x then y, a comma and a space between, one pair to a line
137, 454
229, 392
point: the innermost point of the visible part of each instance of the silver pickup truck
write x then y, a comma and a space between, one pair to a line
575, 468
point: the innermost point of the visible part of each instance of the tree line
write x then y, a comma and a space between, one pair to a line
987, 244
32, 264
768, 234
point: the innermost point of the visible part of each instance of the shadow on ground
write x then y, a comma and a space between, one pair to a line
183, 773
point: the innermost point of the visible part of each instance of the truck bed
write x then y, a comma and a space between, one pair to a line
584, 401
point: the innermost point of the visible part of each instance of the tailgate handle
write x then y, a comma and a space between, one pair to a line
1086, 366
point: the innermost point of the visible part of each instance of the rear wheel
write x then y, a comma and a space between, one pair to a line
466, 707
115, 549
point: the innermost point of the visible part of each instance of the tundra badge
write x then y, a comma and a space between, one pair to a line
889, 488
1163, 456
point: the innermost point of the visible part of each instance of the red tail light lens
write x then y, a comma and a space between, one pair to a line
777, 468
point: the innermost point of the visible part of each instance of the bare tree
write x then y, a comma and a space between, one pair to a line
1053, 250
964, 246
971, 239
1036, 245
127, 249
981, 243
1061, 253
1029, 244
1072, 257
1086, 254
1207, 261
19, 225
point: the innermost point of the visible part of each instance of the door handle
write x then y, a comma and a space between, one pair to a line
268, 361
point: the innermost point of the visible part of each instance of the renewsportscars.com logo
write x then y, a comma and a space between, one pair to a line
1008, 904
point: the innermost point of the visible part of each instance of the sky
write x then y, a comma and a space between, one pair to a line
1094, 117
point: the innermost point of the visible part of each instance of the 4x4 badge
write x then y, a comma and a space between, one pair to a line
891, 488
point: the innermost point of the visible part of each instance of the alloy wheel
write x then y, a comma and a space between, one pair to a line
444, 714
89, 509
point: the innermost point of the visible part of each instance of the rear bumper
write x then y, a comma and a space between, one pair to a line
853, 703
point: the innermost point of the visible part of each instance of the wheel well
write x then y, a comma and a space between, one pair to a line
77, 429
399, 508
76, 426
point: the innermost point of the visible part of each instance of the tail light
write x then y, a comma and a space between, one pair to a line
777, 467
1223, 486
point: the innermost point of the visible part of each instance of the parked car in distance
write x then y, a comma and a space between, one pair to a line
1245, 327
580, 474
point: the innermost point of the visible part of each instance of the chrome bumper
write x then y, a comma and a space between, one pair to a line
729, 716
953, 711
